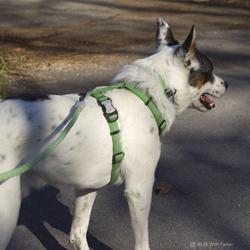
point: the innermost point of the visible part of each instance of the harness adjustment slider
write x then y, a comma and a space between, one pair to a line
117, 158
162, 126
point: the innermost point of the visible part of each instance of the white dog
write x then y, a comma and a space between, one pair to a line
84, 159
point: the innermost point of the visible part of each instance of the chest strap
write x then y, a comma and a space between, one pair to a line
111, 115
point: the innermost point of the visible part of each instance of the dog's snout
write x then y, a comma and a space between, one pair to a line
226, 84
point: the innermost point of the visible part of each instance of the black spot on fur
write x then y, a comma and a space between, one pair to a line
71, 148
2, 158
29, 97
151, 130
78, 132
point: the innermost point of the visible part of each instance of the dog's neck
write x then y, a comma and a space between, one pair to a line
146, 73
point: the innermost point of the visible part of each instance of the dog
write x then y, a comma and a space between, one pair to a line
84, 159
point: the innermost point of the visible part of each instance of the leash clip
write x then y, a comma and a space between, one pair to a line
170, 93
80, 103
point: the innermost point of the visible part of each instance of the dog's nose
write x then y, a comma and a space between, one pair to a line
226, 84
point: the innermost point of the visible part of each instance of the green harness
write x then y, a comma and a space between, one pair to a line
111, 116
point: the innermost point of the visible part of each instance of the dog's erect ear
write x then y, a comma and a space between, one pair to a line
187, 50
164, 35
189, 44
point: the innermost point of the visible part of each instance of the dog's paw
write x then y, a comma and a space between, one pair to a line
78, 241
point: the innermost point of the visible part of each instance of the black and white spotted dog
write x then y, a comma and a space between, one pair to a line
84, 159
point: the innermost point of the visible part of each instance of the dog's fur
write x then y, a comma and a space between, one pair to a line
84, 159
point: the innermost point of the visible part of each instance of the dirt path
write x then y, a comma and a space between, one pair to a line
50, 44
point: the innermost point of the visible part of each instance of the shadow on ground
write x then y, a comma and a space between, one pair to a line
43, 207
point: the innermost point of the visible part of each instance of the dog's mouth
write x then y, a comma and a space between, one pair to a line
206, 101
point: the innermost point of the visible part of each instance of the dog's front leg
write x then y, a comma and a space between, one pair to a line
10, 194
139, 193
10, 200
83, 206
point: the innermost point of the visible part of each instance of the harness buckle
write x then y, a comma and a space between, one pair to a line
117, 158
108, 109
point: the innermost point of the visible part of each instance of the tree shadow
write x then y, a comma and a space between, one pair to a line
165, 9
42, 207
222, 4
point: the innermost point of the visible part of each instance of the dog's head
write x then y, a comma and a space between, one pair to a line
198, 68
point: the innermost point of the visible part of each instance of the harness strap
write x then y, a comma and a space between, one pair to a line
147, 99
111, 115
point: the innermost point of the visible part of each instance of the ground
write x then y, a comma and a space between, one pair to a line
69, 46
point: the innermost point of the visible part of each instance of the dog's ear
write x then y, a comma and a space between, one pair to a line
187, 49
164, 34
190, 43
